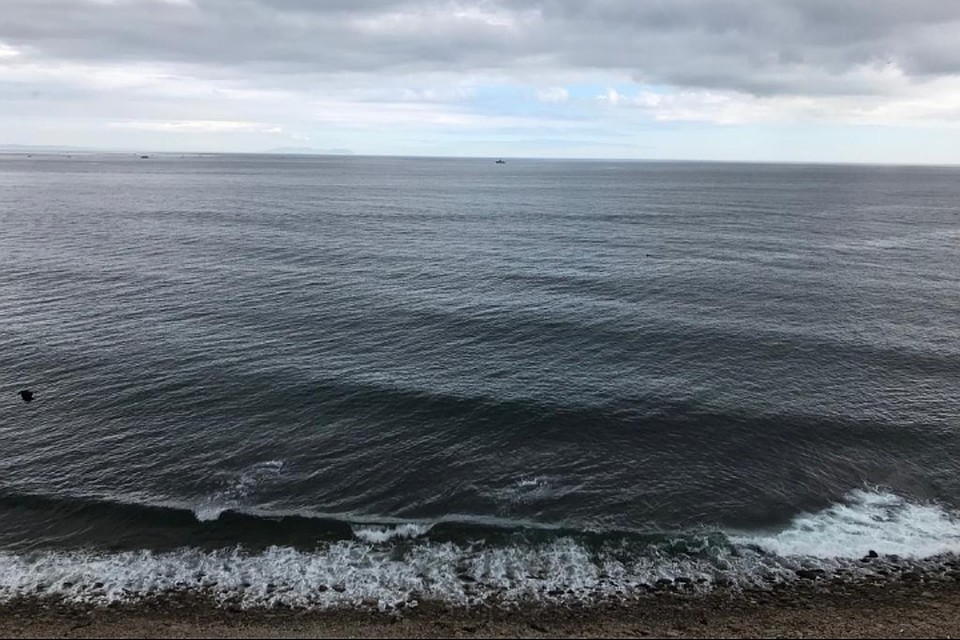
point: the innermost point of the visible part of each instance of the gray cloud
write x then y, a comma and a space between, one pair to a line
774, 47
770, 47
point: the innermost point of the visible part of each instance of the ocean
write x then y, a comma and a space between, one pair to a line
324, 381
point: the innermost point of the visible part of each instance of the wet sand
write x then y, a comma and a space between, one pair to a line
810, 610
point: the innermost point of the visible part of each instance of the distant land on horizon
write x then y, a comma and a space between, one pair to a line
56, 148
42, 148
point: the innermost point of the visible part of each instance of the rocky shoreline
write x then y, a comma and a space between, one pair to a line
927, 605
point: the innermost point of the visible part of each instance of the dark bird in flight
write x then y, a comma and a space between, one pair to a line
26, 394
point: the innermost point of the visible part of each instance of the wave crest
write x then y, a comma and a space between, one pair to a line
381, 534
866, 521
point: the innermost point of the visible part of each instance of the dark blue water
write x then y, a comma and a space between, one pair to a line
307, 356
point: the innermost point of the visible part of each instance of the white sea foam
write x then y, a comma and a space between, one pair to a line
367, 571
531, 489
208, 513
346, 573
866, 521
380, 534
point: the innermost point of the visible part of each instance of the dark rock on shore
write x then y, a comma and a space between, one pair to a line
810, 574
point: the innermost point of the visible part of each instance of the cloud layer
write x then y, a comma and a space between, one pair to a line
778, 46
494, 65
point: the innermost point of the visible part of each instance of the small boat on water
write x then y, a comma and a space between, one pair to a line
501, 161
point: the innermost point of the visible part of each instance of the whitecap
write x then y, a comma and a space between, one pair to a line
380, 534
866, 521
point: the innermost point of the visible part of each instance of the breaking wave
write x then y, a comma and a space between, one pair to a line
392, 565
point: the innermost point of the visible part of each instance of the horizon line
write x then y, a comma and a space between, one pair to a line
22, 149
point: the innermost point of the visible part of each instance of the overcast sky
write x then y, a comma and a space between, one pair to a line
796, 80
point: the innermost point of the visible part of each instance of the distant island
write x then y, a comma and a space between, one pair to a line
59, 149
310, 151
42, 148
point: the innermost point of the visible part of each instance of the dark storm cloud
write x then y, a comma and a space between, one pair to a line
805, 47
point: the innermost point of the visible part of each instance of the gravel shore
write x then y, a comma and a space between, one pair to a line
882, 609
